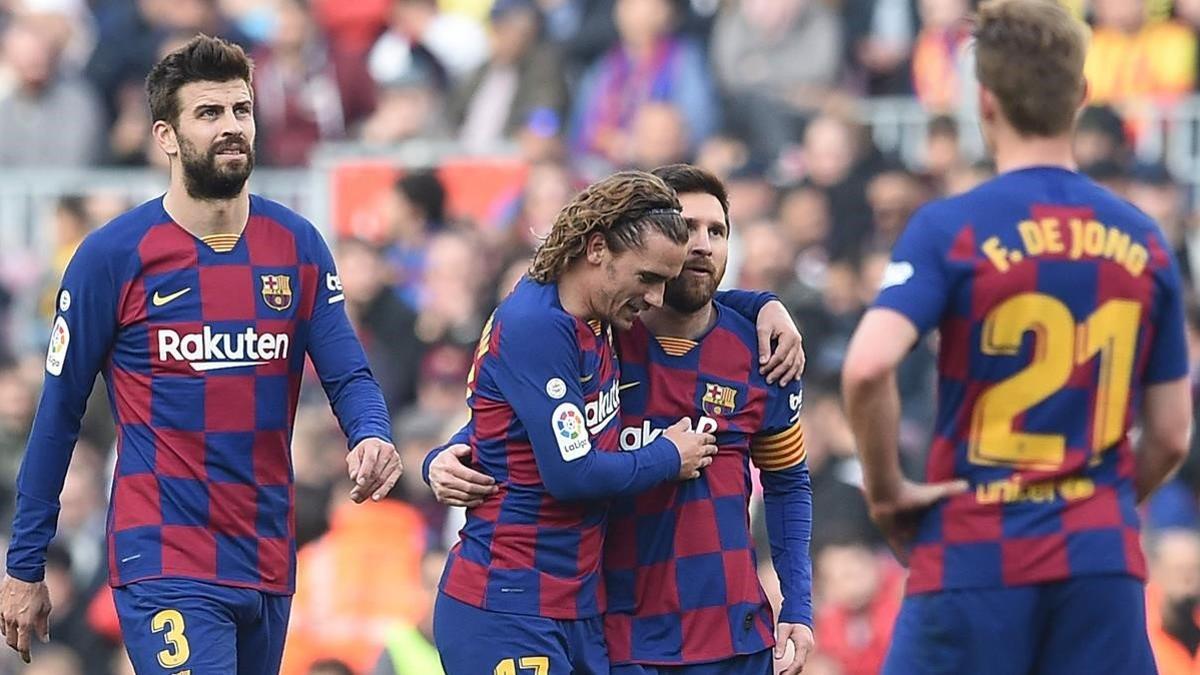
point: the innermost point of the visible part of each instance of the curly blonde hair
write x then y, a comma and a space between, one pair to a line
622, 207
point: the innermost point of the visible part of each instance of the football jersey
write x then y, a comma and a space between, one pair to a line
1057, 303
545, 400
202, 353
680, 565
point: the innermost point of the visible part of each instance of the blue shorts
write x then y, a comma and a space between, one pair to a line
758, 663
173, 625
1085, 625
472, 641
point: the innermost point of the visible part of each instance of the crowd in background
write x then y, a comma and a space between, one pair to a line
761, 92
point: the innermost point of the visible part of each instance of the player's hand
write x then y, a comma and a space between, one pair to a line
898, 514
696, 450
787, 363
374, 466
24, 611
802, 640
456, 484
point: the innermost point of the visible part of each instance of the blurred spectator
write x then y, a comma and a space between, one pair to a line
860, 597
831, 160
1131, 56
650, 63
385, 325
1152, 190
68, 622
879, 38
50, 117
1100, 136
450, 311
457, 43
412, 212
836, 476
355, 581
1173, 601
416, 432
776, 61
409, 101
965, 178
409, 649
893, 195
547, 187
302, 92
1110, 173
942, 152
659, 137
940, 67
522, 81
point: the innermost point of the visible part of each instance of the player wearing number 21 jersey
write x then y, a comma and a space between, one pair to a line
1059, 312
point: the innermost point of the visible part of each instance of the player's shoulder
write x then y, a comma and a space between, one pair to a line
533, 310
119, 238
302, 228
737, 335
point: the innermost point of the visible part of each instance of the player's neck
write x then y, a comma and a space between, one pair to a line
668, 322
1014, 152
204, 217
572, 295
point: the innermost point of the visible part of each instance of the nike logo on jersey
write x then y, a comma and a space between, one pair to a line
160, 300
627, 385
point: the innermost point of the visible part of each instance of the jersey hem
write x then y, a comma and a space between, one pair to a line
271, 589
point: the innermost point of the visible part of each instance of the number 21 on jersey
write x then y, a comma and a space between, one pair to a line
1060, 345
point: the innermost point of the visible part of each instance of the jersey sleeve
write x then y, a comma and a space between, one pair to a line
745, 303
780, 443
787, 499
82, 336
537, 372
460, 437
1168, 358
916, 282
339, 359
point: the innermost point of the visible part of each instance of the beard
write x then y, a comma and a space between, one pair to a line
688, 293
205, 179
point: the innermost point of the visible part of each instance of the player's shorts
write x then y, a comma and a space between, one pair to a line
1082, 626
472, 641
758, 663
181, 625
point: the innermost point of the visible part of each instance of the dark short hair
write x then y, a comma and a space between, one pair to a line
202, 59
687, 179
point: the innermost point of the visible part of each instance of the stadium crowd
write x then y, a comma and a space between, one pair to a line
764, 93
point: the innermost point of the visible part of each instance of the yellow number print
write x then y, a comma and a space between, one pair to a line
177, 651
1059, 345
484, 337
540, 665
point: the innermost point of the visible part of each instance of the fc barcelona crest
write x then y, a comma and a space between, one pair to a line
277, 291
718, 399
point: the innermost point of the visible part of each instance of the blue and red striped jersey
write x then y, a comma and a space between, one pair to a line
545, 402
202, 352
1057, 303
679, 562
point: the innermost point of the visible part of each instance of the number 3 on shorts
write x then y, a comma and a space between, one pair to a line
540, 665
177, 652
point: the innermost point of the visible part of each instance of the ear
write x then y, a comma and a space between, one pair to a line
987, 105
596, 249
1083, 96
164, 136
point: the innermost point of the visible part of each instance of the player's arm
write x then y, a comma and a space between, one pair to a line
353, 393
775, 327
787, 500
537, 372
447, 472
1167, 400
911, 302
81, 339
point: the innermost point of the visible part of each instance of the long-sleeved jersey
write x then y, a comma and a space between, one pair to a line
545, 396
679, 561
202, 349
